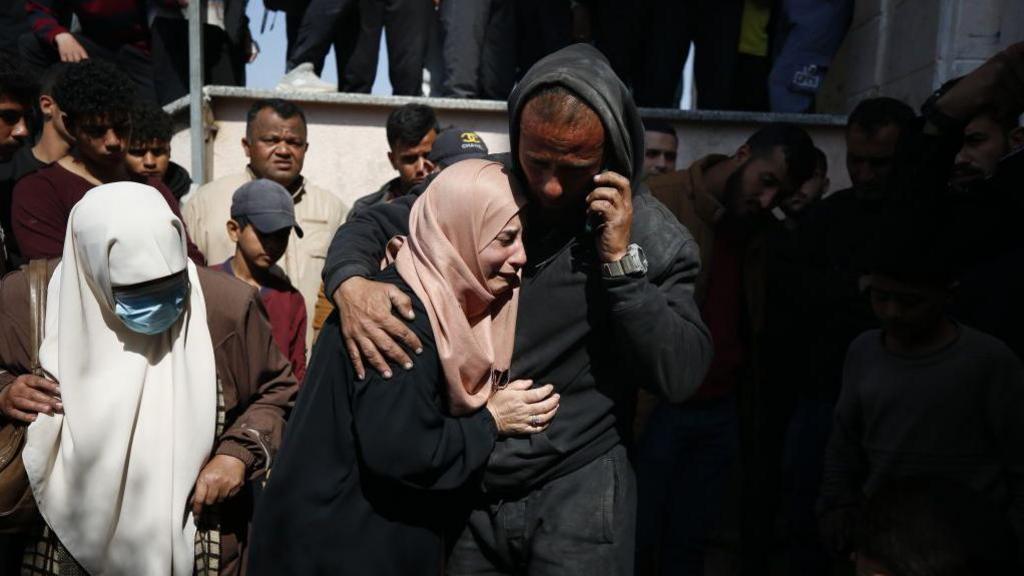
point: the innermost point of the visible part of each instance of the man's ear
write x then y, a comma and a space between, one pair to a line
1017, 138
391, 158
245, 147
46, 105
234, 231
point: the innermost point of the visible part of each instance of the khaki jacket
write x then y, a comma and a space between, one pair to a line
319, 213
686, 196
257, 382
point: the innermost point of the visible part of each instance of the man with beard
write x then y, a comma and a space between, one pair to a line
688, 448
984, 193
988, 137
618, 270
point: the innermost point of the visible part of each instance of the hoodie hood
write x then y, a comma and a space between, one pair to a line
582, 69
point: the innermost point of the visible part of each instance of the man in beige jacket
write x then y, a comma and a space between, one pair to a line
275, 143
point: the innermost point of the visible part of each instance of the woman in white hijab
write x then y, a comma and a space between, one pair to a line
141, 341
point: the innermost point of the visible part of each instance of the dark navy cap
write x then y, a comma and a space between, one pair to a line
454, 144
266, 205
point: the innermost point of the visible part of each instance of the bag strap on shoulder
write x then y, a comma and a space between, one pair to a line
38, 281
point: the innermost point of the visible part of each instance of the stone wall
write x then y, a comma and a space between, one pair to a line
908, 48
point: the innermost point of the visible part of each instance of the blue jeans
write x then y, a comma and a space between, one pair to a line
683, 463
810, 32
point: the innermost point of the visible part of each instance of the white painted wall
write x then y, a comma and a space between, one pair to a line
348, 146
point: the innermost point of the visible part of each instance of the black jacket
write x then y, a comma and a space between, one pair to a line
177, 180
366, 478
595, 339
371, 199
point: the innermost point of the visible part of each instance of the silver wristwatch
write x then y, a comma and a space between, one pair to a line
634, 263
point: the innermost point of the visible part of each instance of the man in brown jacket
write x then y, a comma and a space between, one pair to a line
255, 381
687, 450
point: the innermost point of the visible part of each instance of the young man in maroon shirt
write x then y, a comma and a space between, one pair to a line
96, 102
262, 218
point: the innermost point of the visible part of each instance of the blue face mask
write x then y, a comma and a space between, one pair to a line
152, 309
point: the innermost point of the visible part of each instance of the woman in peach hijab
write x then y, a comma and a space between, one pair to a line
370, 470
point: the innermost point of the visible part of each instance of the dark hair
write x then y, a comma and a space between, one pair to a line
282, 108
50, 78
935, 527
797, 147
820, 160
150, 122
872, 114
912, 243
16, 83
409, 124
94, 89
659, 126
556, 104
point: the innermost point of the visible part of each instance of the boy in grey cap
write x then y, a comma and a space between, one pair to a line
262, 218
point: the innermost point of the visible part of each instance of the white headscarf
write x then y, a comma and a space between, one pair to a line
112, 476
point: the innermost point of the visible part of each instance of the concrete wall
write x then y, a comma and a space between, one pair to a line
908, 48
348, 147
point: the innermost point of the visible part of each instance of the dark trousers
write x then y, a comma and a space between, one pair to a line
135, 63
544, 26
581, 523
407, 26
224, 66
479, 48
324, 23
683, 464
804, 464
668, 28
615, 27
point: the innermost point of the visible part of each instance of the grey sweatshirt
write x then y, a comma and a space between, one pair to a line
957, 413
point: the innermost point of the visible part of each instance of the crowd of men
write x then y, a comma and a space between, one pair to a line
749, 54
865, 390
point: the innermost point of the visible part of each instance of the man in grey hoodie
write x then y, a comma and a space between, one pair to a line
606, 307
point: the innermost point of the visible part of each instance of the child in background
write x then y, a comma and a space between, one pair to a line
924, 395
262, 216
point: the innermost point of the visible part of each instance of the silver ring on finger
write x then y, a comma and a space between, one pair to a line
533, 421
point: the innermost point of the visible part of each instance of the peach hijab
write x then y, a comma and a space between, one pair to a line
459, 214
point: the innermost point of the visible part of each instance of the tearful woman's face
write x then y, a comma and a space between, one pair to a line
504, 257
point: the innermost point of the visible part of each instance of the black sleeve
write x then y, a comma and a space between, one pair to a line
655, 319
403, 432
358, 246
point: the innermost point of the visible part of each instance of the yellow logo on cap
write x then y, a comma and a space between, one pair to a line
470, 138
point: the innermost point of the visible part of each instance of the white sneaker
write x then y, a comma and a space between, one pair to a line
302, 78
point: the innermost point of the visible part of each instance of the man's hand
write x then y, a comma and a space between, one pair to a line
69, 48
28, 396
220, 479
998, 83
369, 328
612, 200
